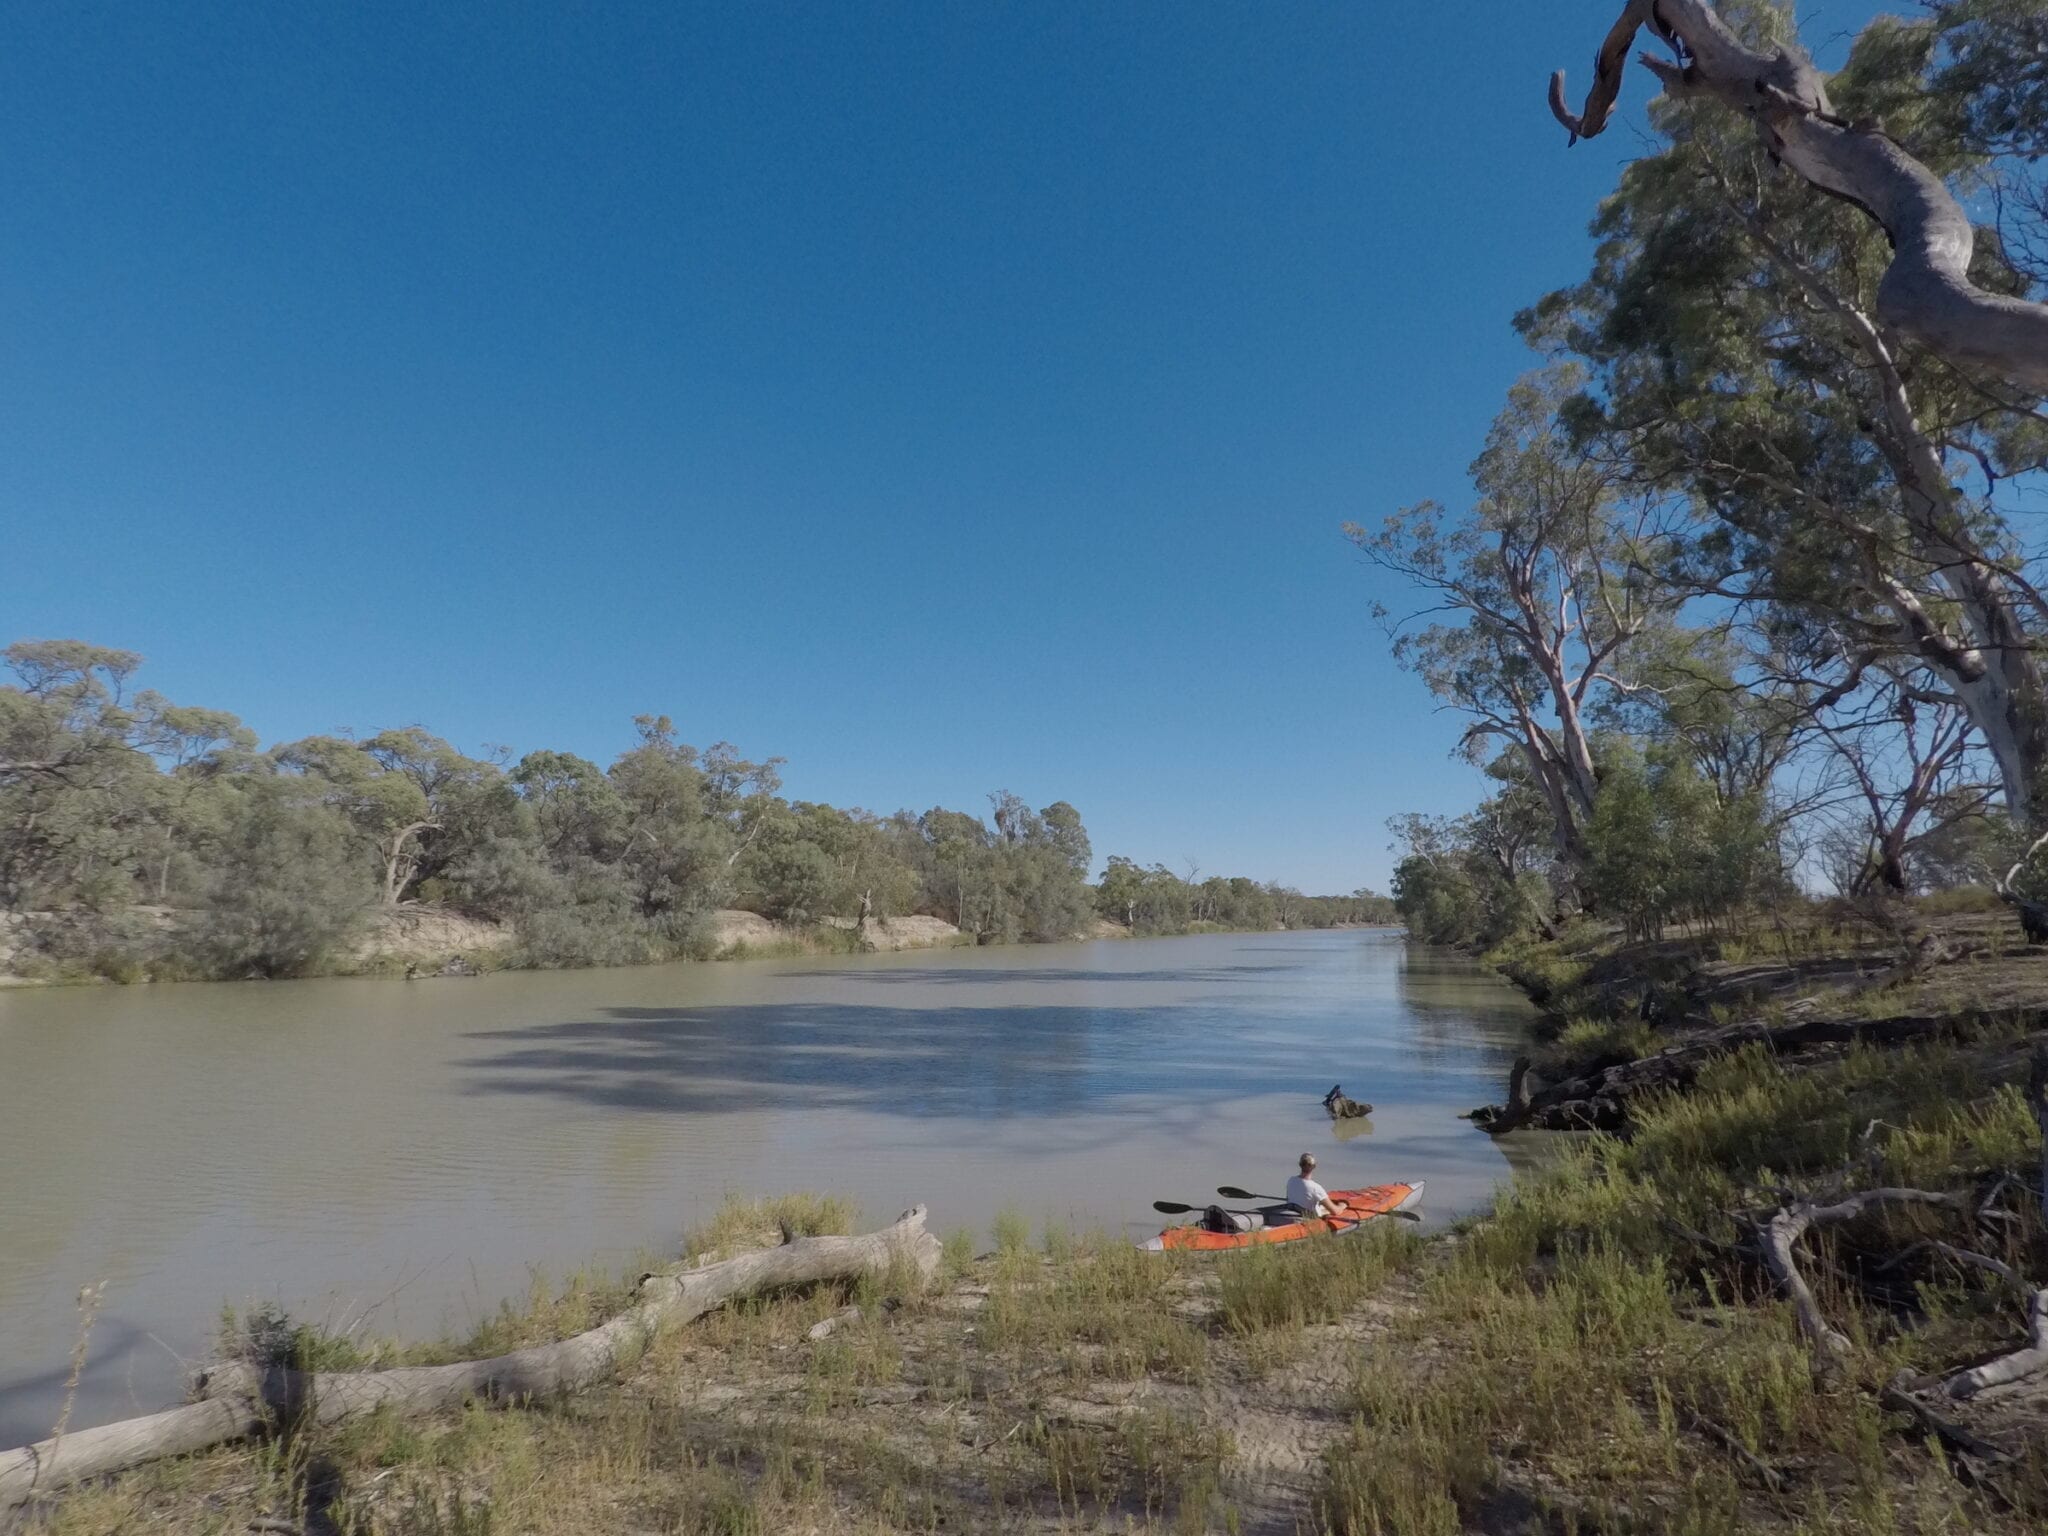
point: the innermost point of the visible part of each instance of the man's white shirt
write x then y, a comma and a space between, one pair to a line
1303, 1193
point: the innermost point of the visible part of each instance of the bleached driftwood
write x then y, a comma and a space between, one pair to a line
1926, 292
238, 1401
2031, 1358
1781, 1234
2019, 1363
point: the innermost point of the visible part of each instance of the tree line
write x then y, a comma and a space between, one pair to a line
1745, 603
139, 837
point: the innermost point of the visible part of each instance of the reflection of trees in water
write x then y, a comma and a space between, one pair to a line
1434, 983
1532, 1151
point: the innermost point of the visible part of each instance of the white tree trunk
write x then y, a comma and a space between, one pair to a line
238, 1402
1926, 292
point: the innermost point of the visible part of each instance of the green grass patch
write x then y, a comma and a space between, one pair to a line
740, 1223
1290, 1285
1575, 1340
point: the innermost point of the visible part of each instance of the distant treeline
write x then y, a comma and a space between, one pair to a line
144, 838
1155, 900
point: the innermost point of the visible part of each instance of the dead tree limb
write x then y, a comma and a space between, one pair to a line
2027, 1361
1947, 1430
1779, 1238
1496, 1118
2033, 914
238, 1401
2019, 1363
1926, 292
1599, 1100
1730, 1442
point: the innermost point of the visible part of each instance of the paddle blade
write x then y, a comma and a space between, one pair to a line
1171, 1207
1232, 1192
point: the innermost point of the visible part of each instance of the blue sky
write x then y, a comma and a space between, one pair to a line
946, 396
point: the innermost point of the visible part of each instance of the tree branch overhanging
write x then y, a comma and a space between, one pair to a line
1926, 293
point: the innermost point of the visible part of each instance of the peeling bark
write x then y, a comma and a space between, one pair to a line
1926, 293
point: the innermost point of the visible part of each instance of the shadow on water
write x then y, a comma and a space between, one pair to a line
1016, 1060
981, 977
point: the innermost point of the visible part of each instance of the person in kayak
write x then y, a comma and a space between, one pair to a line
1306, 1195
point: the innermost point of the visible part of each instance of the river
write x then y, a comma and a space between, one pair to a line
403, 1155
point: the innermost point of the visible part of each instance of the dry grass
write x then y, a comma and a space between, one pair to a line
1072, 1384
1576, 1350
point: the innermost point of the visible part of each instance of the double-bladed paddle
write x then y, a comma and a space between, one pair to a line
1232, 1192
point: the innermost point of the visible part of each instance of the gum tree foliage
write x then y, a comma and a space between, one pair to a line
1857, 692
1851, 490
1532, 599
1154, 900
1895, 170
1478, 878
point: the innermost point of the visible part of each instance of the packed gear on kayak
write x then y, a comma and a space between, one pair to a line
1217, 1219
1218, 1229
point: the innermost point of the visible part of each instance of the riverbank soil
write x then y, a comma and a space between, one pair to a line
1700, 1320
411, 940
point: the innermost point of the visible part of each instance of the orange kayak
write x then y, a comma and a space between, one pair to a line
1281, 1223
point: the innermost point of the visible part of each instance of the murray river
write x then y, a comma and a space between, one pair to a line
402, 1156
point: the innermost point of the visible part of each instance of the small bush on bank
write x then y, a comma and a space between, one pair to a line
740, 1223
1583, 1042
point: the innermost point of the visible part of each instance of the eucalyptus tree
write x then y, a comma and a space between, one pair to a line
416, 800
78, 809
1986, 64
1908, 762
578, 813
677, 854
288, 883
1546, 585
1847, 478
1928, 291
196, 749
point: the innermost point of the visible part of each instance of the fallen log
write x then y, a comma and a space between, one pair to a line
2028, 1360
238, 1400
1598, 1100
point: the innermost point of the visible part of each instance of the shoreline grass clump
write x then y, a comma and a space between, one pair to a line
1605, 1344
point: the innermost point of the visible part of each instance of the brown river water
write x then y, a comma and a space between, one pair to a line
402, 1156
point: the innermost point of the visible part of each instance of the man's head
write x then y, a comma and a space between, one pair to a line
1308, 1164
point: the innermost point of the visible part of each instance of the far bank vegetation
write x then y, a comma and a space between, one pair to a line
143, 839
